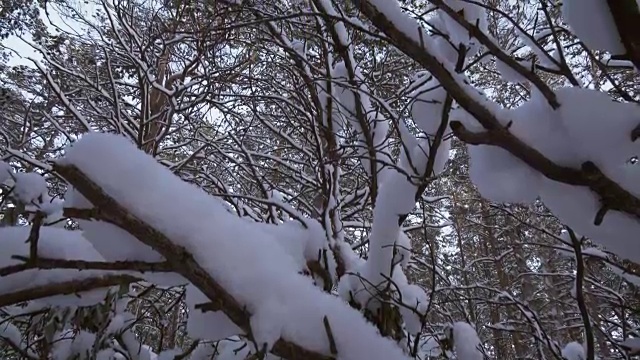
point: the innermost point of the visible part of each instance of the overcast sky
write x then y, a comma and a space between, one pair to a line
21, 50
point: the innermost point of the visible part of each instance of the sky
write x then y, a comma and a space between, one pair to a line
20, 52
20, 48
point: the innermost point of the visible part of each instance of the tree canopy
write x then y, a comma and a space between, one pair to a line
320, 179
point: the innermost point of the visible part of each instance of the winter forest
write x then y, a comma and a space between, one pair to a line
319, 179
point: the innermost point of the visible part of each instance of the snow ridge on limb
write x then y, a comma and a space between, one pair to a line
409, 37
183, 262
227, 258
610, 25
626, 15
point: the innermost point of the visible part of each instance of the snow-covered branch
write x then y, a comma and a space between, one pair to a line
192, 244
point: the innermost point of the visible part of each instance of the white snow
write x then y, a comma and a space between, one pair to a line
53, 243
68, 344
204, 351
396, 197
592, 117
427, 106
508, 73
577, 207
267, 323
537, 125
211, 325
29, 187
442, 47
593, 23
573, 351
568, 137
415, 301
633, 344
591, 251
303, 244
405, 24
246, 262
632, 278
466, 342
473, 14
347, 110
115, 244
168, 354
260, 264
5, 172
10, 332
501, 177
589, 117
403, 247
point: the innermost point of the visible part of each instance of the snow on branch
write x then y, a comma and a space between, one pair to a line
233, 262
54, 263
558, 143
70, 287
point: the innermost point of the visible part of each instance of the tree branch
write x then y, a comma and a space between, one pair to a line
48, 263
627, 18
582, 305
179, 258
610, 193
64, 288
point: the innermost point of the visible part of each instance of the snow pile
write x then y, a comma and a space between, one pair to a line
246, 261
348, 111
573, 351
632, 344
592, 117
593, 23
5, 172
68, 344
210, 325
113, 243
631, 278
567, 136
10, 333
427, 107
389, 247
205, 351
508, 73
30, 189
454, 34
501, 177
304, 242
53, 243
466, 343
474, 14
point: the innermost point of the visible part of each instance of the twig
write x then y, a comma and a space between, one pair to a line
34, 236
332, 340
584, 312
47, 263
64, 288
